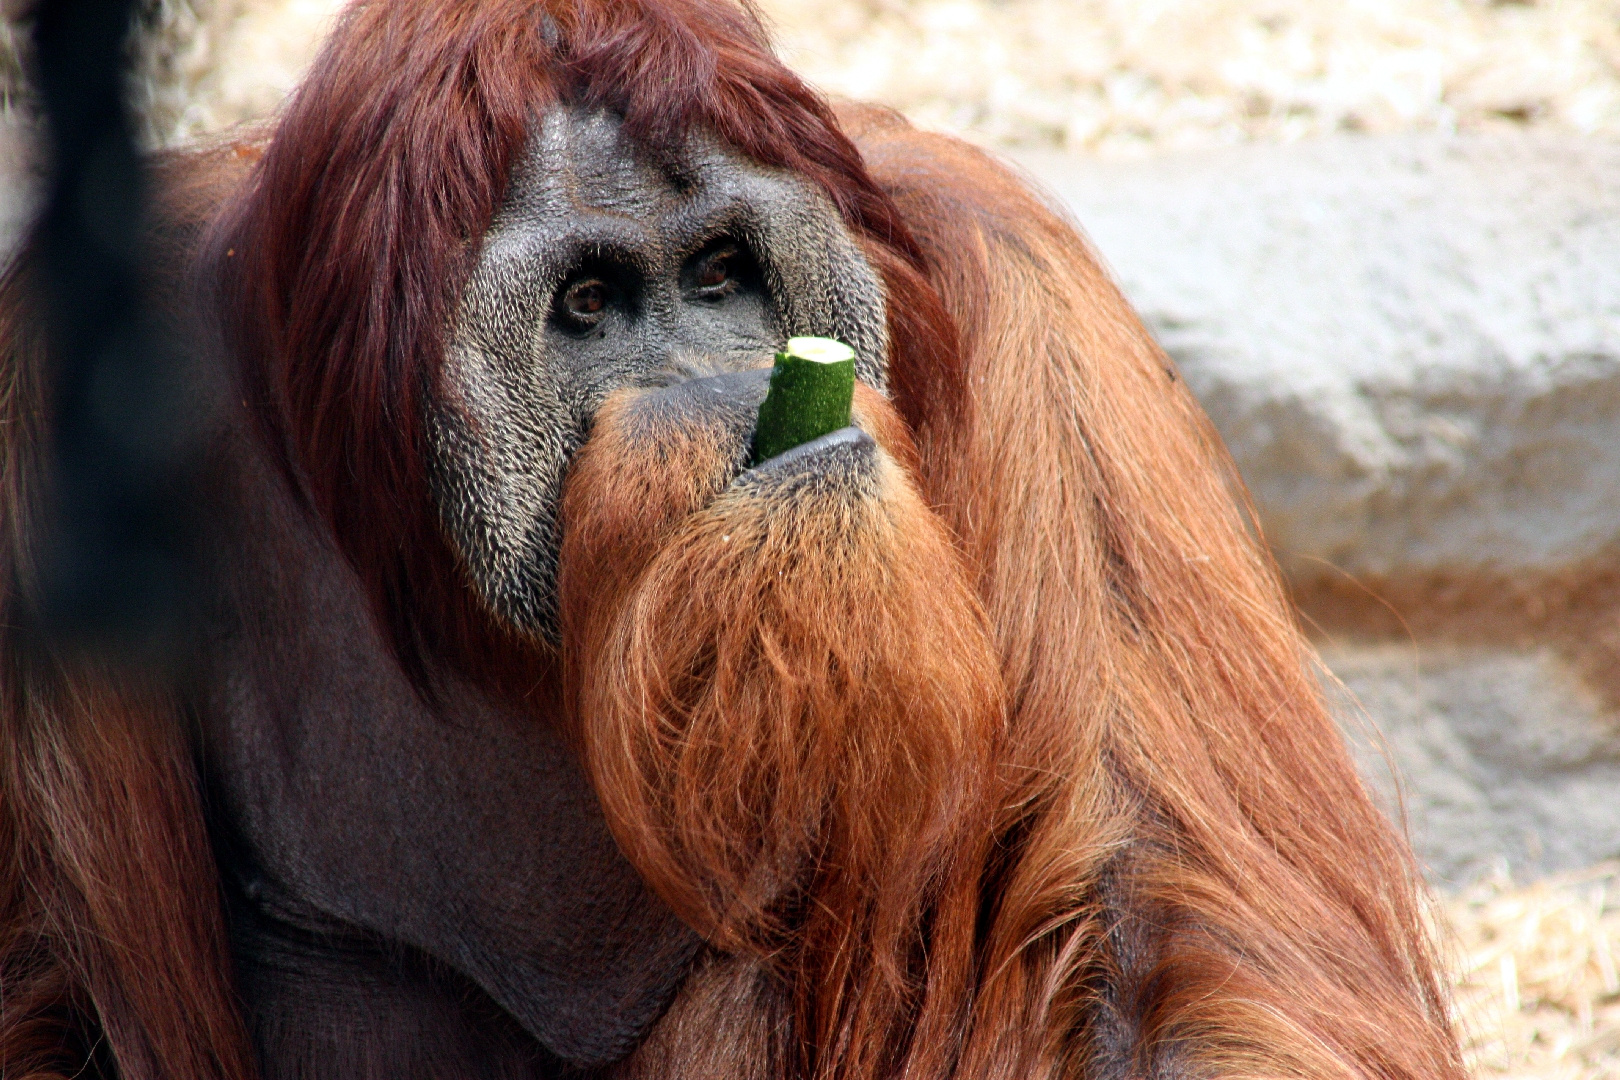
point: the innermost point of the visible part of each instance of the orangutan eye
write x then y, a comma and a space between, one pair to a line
715, 271
719, 270
584, 301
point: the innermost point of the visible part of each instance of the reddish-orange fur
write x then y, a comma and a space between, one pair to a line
789, 710
1021, 769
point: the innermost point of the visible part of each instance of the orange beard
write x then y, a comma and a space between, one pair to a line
785, 693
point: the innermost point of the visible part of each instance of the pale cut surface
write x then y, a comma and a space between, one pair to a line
819, 349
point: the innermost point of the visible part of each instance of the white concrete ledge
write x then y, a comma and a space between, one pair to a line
1411, 344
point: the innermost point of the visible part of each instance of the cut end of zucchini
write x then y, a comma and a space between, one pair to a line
812, 387
820, 350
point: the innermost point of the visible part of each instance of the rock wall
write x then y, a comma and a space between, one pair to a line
1506, 758
1411, 343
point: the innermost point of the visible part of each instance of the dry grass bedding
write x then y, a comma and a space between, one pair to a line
1108, 76
1131, 76
1538, 975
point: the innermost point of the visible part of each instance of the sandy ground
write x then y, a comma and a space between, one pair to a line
1538, 993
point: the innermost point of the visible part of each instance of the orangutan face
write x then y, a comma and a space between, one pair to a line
610, 267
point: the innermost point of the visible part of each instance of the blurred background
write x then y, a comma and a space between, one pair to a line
1382, 240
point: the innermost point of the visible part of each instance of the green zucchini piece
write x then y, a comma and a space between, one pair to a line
812, 386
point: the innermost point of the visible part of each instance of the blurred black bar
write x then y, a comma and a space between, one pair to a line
114, 566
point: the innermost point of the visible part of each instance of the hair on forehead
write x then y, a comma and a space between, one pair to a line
341, 260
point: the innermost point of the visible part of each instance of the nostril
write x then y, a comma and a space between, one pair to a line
730, 401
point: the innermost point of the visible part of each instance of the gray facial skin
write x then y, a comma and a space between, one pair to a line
537, 346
